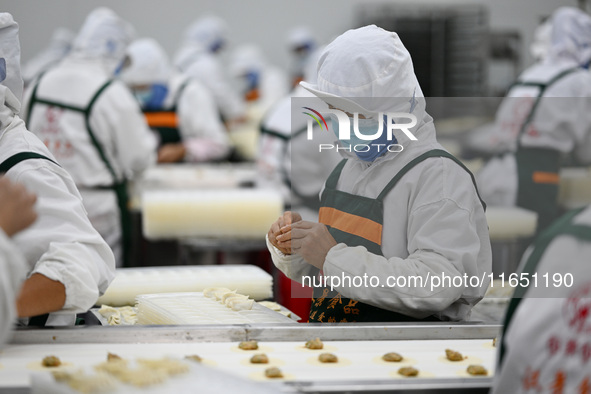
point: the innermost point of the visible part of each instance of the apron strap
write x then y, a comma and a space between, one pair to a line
118, 185
542, 86
333, 178
36, 100
266, 131
93, 139
421, 158
21, 156
562, 226
179, 93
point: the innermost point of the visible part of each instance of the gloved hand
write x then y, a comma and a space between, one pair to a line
280, 232
312, 241
17, 207
171, 153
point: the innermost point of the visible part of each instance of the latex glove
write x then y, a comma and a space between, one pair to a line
312, 241
17, 207
280, 232
171, 153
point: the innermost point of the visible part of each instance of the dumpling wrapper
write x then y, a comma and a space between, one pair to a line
240, 304
231, 297
211, 292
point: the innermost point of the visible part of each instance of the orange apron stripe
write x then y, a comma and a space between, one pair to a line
161, 119
546, 177
352, 224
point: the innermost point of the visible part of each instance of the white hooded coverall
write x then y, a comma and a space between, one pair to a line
433, 220
115, 119
195, 59
62, 244
187, 101
546, 345
561, 122
287, 160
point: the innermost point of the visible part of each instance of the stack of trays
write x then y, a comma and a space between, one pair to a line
198, 176
575, 187
195, 308
508, 223
249, 280
235, 214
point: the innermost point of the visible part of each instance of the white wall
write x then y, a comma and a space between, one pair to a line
263, 21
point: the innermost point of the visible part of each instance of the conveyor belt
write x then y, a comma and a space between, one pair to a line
360, 369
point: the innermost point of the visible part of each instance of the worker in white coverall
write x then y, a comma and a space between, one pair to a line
197, 57
301, 44
545, 114
17, 212
260, 83
545, 346
287, 160
385, 213
59, 46
179, 108
69, 265
93, 125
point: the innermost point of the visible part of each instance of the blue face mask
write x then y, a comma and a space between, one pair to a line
252, 80
377, 147
216, 46
152, 98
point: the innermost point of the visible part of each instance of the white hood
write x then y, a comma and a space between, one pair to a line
571, 36
368, 70
105, 36
11, 89
300, 36
247, 58
148, 63
207, 31
542, 40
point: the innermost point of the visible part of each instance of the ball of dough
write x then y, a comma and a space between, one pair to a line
259, 359
453, 355
273, 373
249, 345
408, 371
476, 370
328, 358
392, 357
314, 344
51, 361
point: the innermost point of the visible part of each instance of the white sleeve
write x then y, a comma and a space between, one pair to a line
442, 240
134, 143
62, 244
293, 266
13, 269
203, 133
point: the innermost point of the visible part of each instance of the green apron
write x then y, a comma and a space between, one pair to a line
538, 168
119, 186
165, 122
357, 221
563, 226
